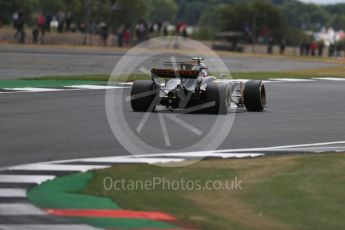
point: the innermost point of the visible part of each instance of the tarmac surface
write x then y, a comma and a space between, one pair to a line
32, 61
48, 126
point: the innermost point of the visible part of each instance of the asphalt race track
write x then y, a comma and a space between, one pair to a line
47, 126
20, 62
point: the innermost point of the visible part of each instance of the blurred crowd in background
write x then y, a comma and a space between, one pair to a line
276, 24
316, 43
62, 23
125, 35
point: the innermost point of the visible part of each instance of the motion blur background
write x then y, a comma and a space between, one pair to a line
272, 26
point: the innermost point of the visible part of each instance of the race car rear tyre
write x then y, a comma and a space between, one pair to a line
219, 95
254, 96
140, 101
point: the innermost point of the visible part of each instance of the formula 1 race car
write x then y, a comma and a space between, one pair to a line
191, 88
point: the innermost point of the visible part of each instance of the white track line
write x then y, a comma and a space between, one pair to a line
329, 78
281, 147
48, 167
47, 226
242, 80
20, 209
36, 179
224, 153
12, 192
137, 159
23, 90
94, 87
32, 89
290, 79
317, 148
206, 154
124, 83
155, 157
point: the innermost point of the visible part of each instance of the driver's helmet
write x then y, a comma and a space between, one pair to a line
200, 66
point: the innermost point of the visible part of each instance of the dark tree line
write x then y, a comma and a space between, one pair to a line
279, 16
282, 19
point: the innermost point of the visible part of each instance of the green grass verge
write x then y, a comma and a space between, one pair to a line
93, 77
47, 83
84, 77
289, 192
308, 73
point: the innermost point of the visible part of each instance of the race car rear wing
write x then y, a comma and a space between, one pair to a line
170, 73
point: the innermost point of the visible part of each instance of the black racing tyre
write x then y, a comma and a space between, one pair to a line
220, 94
254, 96
140, 101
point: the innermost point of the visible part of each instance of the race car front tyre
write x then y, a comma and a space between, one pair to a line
143, 95
219, 97
254, 96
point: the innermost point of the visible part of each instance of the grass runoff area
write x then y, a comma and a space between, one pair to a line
103, 79
277, 192
55, 82
308, 73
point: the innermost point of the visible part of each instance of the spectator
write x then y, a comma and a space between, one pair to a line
20, 26
302, 49
270, 45
104, 33
282, 46
184, 32
127, 37
331, 50
3, 40
159, 27
307, 48
313, 48
48, 22
61, 20
265, 32
151, 28
41, 23
82, 27
68, 21
338, 49
35, 33
247, 33
15, 17
321, 45
165, 30
178, 29
140, 31
120, 37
